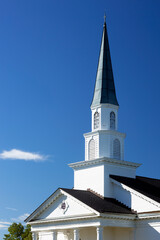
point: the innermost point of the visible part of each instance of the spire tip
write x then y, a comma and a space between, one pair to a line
104, 18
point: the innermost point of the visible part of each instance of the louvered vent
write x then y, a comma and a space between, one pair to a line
116, 149
112, 120
96, 120
92, 149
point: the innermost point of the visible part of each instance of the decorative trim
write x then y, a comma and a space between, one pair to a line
87, 217
44, 205
105, 105
111, 132
64, 206
148, 215
102, 161
71, 218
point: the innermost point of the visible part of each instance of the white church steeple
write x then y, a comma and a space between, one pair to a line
104, 145
104, 140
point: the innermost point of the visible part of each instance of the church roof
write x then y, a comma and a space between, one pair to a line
100, 204
149, 187
92, 200
104, 91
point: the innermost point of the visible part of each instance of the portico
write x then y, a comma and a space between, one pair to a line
105, 226
93, 233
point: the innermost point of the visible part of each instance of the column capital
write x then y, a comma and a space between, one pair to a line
99, 228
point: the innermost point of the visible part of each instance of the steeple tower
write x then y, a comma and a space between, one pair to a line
104, 145
104, 140
104, 88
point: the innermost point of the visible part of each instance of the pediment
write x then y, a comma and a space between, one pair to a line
61, 205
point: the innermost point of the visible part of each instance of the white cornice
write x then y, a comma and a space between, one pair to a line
44, 205
109, 132
112, 218
105, 105
119, 216
86, 217
103, 160
64, 219
149, 215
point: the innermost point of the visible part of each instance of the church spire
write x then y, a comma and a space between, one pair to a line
104, 91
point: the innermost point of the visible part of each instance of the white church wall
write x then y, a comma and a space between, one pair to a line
61, 235
108, 233
142, 204
111, 169
124, 234
97, 178
45, 236
148, 230
91, 234
88, 234
91, 177
65, 235
122, 195
104, 145
134, 200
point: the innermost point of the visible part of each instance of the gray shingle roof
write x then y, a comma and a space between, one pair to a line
101, 205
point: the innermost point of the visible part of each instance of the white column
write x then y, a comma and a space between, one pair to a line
76, 234
54, 235
34, 236
99, 233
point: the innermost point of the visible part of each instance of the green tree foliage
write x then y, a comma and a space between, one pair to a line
18, 232
27, 235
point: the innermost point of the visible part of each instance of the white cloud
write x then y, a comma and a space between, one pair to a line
20, 218
21, 155
12, 209
4, 224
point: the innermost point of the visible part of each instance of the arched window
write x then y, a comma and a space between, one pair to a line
112, 120
91, 149
116, 149
96, 120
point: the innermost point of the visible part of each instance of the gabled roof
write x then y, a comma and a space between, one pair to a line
95, 202
149, 187
100, 204
104, 91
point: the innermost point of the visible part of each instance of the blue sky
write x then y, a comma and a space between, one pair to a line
48, 60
